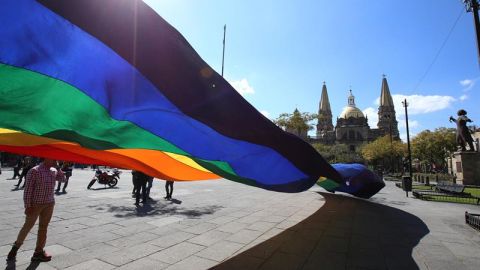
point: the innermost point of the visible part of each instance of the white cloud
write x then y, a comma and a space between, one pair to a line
467, 82
463, 97
242, 86
411, 124
265, 113
419, 104
372, 115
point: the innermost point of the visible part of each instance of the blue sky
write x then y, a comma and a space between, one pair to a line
279, 52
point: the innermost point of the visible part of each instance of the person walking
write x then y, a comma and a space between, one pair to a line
149, 186
140, 183
67, 169
27, 165
17, 167
39, 202
169, 189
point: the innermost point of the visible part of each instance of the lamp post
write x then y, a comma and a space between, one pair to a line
405, 104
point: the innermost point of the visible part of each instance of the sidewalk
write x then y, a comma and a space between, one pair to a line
227, 225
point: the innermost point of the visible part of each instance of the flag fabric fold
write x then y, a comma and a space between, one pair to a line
110, 82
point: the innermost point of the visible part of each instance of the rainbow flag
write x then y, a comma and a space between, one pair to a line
110, 82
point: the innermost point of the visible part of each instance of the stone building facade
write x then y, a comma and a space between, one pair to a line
352, 126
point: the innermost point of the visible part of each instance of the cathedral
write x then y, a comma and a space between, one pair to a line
352, 126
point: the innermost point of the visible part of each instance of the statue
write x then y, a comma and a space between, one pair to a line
463, 133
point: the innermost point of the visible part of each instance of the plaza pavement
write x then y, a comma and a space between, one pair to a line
225, 225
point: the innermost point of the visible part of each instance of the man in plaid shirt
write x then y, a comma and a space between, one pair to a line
39, 201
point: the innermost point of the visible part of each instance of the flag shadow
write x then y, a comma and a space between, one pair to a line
345, 233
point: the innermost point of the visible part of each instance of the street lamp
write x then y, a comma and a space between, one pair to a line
405, 104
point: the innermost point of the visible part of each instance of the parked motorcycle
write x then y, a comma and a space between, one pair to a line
105, 178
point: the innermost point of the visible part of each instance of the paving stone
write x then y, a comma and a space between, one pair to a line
209, 238
283, 261
82, 255
244, 236
164, 221
172, 239
56, 250
140, 227
232, 227
126, 255
90, 240
33, 265
193, 263
5, 249
132, 240
92, 264
223, 220
201, 228
277, 219
261, 226
176, 253
326, 260
220, 250
144, 264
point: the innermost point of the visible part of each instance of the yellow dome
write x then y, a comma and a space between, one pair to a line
351, 111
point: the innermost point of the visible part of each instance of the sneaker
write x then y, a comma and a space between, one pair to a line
12, 255
41, 256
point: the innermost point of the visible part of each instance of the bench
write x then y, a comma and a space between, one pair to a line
448, 187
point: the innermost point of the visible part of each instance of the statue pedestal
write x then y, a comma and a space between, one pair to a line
466, 166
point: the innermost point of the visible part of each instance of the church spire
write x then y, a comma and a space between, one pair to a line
385, 96
387, 121
351, 99
324, 102
324, 114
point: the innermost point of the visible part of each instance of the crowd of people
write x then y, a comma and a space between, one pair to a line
24, 164
142, 184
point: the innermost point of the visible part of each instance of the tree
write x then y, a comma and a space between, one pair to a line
433, 147
297, 123
383, 152
338, 153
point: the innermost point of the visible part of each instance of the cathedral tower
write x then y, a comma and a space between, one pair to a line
387, 121
324, 114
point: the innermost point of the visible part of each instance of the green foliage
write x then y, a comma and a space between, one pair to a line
382, 152
433, 147
296, 121
338, 153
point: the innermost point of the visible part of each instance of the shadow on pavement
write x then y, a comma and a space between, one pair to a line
157, 208
103, 188
346, 233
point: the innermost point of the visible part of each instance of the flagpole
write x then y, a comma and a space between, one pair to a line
223, 56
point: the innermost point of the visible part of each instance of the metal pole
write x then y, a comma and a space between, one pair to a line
223, 55
477, 25
472, 6
405, 104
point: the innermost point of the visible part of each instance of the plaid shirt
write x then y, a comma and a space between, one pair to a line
39, 185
